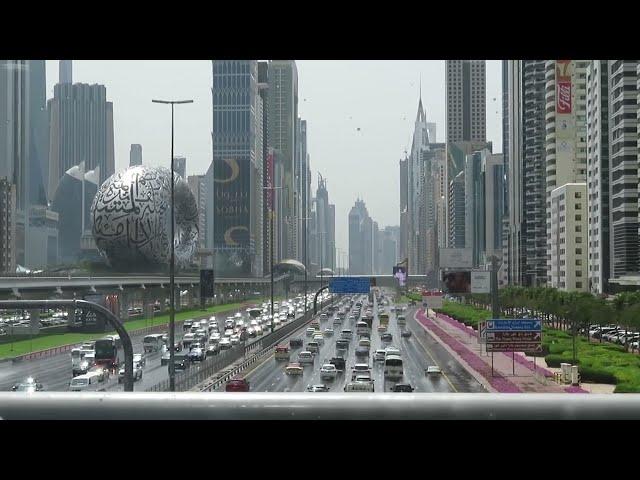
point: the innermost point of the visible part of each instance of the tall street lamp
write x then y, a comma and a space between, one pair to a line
172, 313
271, 243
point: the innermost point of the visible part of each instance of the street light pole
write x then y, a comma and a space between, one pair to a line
172, 313
271, 215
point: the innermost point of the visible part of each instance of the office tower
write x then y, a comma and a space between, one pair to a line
431, 131
416, 201
404, 206
302, 182
180, 166
360, 240
433, 208
466, 102
65, 71
135, 155
282, 114
526, 173
322, 239
267, 167
474, 214
566, 131
81, 130
72, 202
503, 275
198, 186
568, 235
7, 227
456, 212
598, 233
623, 166
389, 250
234, 207
494, 185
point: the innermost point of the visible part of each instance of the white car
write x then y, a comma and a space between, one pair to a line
258, 330
328, 331
364, 342
433, 370
379, 355
137, 373
139, 358
305, 357
311, 331
215, 337
294, 369
228, 332
346, 333
392, 351
328, 371
235, 339
318, 338
225, 343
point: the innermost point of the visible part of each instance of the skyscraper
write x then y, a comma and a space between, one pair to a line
180, 166
282, 114
65, 74
361, 240
474, 214
81, 130
7, 227
494, 186
456, 211
404, 200
466, 102
234, 207
198, 186
135, 155
267, 167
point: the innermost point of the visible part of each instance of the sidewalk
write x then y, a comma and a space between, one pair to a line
462, 342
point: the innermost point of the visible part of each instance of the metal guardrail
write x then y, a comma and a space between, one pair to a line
316, 406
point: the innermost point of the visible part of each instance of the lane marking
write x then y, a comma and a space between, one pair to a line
433, 359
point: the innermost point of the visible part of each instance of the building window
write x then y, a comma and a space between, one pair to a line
578, 284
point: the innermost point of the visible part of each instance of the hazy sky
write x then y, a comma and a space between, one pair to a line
335, 97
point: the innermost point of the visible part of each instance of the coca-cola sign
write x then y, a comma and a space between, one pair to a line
563, 103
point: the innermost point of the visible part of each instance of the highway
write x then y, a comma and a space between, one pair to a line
418, 352
55, 372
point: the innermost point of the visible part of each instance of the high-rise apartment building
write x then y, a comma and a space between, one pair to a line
623, 166
598, 233
466, 100
568, 270
135, 155
81, 130
566, 131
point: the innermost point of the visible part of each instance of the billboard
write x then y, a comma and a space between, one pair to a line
232, 220
563, 86
456, 258
431, 299
349, 285
481, 281
456, 282
400, 273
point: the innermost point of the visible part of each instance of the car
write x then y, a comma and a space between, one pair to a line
237, 384
342, 344
386, 337
305, 356
294, 369
291, 315
359, 387
225, 344
215, 337
346, 333
337, 322
405, 333
310, 331
364, 342
339, 363
392, 351
187, 325
197, 354
378, 356
360, 369
313, 346
317, 388
362, 351
324, 316
296, 342
433, 370
234, 339
318, 338
328, 331
251, 332
29, 385
402, 387
137, 373
228, 332
328, 371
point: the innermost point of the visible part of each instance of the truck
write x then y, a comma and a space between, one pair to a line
384, 319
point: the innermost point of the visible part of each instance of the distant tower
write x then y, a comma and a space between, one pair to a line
135, 155
180, 166
65, 72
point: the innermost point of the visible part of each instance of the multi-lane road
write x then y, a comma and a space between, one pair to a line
418, 352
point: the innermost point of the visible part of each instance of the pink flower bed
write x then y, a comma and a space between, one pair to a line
529, 364
500, 383
573, 389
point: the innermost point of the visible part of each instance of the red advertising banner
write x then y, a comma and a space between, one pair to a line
563, 103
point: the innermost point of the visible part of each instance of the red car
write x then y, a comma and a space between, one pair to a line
237, 384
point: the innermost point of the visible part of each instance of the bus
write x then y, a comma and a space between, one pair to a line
393, 367
152, 343
109, 352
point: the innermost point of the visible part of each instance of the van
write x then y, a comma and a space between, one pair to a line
84, 382
359, 387
402, 321
282, 352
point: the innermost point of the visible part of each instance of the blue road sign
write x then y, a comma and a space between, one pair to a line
349, 285
529, 324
